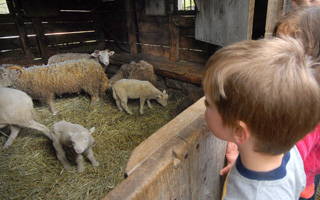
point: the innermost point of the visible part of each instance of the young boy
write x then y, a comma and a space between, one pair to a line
263, 96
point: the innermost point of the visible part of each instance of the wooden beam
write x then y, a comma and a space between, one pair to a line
14, 11
275, 8
98, 23
174, 37
132, 31
43, 48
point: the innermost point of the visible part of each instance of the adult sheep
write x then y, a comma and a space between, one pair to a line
46, 81
16, 111
100, 56
140, 71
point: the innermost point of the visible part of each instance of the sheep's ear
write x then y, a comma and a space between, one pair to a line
71, 134
91, 130
164, 92
111, 53
94, 54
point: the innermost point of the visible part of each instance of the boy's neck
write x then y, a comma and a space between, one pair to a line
259, 162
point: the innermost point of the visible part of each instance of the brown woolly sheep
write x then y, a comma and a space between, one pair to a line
140, 71
46, 81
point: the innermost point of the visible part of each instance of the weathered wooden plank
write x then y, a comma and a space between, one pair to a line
70, 38
174, 37
156, 177
153, 27
190, 42
131, 27
163, 135
274, 11
67, 27
184, 21
42, 46
69, 17
10, 43
224, 22
18, 58
155, 50
161, 38
155, 7
40, 8
77, 48
207, 155
194, 56
20, 27
8, 30
8, 18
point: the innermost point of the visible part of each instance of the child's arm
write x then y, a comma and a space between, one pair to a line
231, 156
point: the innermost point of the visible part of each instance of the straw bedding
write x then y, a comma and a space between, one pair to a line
30, 169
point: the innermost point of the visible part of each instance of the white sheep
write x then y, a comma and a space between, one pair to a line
100, 56
16, 111
44, 82
76, 136
135, 89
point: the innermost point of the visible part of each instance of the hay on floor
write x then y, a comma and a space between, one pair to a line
30, 169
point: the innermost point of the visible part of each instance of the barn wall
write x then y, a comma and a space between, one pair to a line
37, 30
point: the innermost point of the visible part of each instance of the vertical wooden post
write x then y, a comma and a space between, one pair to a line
23, 36
275, 8
174, 37
37, 26
132, 33
97, 21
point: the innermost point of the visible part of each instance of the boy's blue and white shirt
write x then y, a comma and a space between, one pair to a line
285, 182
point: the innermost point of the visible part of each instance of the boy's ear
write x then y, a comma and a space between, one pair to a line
241, 134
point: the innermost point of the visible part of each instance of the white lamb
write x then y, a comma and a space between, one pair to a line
16, 111
76, 136
135, 89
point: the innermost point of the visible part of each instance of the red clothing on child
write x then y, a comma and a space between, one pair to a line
309, 149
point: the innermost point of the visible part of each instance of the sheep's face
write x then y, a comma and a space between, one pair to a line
4, 77
80, 140
103, 56
162, 98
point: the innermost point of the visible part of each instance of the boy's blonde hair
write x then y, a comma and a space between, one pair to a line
268, 84
303, 24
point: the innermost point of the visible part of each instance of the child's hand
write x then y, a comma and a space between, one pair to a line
231, 155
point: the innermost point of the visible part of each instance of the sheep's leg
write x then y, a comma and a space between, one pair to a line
115, 96
80, 165
91, 157
125, 106
14, 132
94, 99
118, 102
35, 125
61, 154
142, 100
51, 105
149, 104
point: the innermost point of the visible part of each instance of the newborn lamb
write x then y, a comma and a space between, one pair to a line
76, 136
